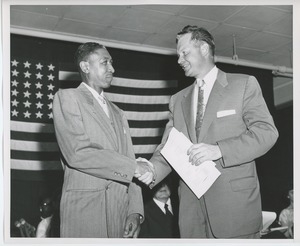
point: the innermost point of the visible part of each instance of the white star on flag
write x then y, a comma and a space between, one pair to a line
14, 63
39, 105
27, 104
50, 115
50, 96
15, 102
39, 85
39, 75
27, 74
27, 114
51, 67
15, 83
39, 115
14, 112
15, 72
50, 106
27, 94
27, 64
14, 92
27, 84
50, 77
39, 66
39, 95
50, 87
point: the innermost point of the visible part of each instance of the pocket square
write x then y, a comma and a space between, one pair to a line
225, 113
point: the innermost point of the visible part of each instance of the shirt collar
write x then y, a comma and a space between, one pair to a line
210, 77
93, 91
162, 205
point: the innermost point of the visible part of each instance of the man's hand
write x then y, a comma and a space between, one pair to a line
132, 226
201, 152
145, 171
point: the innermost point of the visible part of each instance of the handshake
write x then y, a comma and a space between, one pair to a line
144, 171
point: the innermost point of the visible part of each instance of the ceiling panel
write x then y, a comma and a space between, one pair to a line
80, 28
142, 20
284, 49
256, 17
225, 34
54, 10
103, 15
126, 35
214, 13
33, 20
161, 40
176, 23
283, 26
170, 9
265, 41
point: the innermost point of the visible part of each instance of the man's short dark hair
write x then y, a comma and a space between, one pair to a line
198, 33
84, 51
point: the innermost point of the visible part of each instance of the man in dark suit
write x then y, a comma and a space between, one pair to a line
161, 213
227, 120
99, 198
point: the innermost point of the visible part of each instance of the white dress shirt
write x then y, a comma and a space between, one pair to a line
161, 205
209, 81
100, 98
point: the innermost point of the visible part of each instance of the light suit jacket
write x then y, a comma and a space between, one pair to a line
98, 193
237, 119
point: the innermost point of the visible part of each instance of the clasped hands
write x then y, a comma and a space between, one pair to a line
144, 171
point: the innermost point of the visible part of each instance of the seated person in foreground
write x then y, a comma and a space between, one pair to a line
161, 214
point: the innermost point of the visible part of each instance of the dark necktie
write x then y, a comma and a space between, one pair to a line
168, 213
200, 111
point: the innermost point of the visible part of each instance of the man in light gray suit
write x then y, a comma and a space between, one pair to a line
227, 120
99, 198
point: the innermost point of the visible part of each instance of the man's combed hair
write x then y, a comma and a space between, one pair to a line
198, 33
85, 50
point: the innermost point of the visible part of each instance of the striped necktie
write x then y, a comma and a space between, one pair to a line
200, 110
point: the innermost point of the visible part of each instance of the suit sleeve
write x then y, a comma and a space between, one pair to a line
161, 166
260, 134
134, 191
77, 148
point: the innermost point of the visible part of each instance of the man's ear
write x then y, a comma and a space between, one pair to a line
84, 66
204, 48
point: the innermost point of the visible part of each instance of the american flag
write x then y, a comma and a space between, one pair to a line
33, 85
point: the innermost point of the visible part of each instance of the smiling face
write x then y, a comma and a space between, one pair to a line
98, 69
193, 56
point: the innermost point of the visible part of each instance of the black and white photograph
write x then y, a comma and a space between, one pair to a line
149, 122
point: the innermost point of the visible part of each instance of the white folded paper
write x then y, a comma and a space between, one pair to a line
198, 178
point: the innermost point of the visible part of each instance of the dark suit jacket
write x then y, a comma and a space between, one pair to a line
157, 224
98, 193
237, 120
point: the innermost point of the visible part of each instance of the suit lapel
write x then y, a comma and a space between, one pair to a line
187, 110
118, 127
215, 98
98, 114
